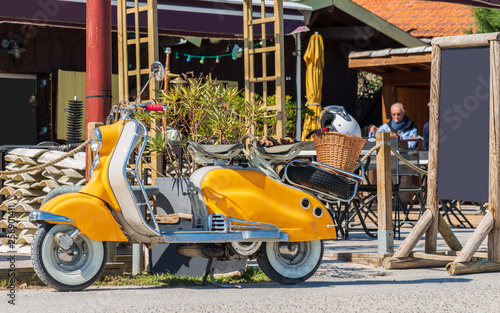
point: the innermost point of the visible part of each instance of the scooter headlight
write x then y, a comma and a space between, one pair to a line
95, 140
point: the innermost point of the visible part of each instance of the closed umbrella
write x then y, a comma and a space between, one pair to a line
315, 60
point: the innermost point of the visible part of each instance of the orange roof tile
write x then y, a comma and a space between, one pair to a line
422, 18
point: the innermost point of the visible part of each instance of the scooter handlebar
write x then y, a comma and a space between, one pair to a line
155, 107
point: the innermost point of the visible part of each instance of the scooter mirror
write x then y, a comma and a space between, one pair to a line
157, 71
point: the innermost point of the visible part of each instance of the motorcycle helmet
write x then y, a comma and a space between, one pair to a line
335, 118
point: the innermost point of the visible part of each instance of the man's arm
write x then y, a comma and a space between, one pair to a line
383, 128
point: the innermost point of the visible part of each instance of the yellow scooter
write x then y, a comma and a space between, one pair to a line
238, 212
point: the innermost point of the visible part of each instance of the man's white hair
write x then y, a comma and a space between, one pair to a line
398, 104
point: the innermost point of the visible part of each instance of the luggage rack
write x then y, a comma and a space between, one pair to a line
351, 177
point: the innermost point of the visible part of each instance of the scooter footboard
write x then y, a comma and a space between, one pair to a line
89, 214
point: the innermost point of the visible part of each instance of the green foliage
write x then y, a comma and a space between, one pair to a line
251, 275
486, 21
368, 84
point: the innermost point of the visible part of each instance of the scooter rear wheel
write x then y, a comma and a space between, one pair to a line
73, 270
291, 263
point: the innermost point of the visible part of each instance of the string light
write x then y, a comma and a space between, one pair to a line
216, 57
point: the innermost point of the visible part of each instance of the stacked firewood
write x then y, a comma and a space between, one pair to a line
25, 192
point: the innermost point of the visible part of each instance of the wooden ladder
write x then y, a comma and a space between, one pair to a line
141, 45
124, 42
251, 50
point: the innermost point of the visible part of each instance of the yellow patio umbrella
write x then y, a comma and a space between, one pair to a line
315, 61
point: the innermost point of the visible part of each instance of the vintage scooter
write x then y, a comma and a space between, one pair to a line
238, 212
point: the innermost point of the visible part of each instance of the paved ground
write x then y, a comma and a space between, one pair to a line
337, 286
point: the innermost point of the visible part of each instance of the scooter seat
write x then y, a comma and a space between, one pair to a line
221, 152
283, 152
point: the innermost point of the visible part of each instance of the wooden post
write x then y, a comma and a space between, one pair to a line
432, 199
494, 167
384, 192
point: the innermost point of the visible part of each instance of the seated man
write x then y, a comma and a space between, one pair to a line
400, 124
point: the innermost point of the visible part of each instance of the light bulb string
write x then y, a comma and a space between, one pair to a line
214, 56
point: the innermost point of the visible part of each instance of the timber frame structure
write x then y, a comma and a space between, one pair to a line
279, 62
432, 221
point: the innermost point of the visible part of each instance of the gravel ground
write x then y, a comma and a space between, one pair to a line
337, 286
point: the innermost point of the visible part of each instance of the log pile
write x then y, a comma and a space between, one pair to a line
26, 192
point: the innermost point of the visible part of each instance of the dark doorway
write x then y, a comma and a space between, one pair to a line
17, 119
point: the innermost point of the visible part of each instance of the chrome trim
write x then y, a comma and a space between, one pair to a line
36, 216
220, 223
218, 237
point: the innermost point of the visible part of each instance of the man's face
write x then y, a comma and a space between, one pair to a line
397, 114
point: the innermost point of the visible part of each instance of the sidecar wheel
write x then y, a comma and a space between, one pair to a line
291, 263
67, 271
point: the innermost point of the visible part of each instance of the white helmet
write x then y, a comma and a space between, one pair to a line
335, 118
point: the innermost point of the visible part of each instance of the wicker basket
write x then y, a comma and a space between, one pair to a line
338, 150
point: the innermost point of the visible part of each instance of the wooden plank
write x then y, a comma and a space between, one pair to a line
247, 44
472, 267
264, 20
279, 68
144, 71
410, 59
134, 41
263, 79
494, 166
121, 73
141, 9
476, 239
384, 192
414, 78
264, 60
476, 40
432, 199
153, 49
137, 52
262, 50
440, 257
414, 236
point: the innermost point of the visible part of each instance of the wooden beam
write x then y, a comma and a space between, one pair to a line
448, 235
432, 199
384, 193
472, 267
476, 239
462, 41
346, 33
414, 236
412, 262
494, 166
407, 79
391, 60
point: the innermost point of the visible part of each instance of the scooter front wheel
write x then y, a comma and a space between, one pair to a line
70, 270
291, 263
